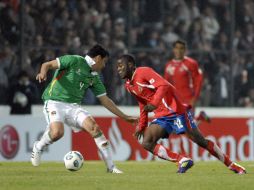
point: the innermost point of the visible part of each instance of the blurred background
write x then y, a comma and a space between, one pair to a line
219, 33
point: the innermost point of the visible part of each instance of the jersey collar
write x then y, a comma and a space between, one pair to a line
179, 60
133, 75
90, 62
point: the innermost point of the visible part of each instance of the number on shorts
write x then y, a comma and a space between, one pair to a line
178, 123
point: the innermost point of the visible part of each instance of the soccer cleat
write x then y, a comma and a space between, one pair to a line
203, 117
36, 155
237, 168
114, 170
184, 165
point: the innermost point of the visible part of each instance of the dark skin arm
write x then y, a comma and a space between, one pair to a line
149, 108
140, 132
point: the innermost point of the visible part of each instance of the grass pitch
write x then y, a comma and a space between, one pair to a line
137, 175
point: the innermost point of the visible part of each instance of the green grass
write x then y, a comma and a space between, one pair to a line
137, 175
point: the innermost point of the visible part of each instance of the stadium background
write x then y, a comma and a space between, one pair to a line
220, 35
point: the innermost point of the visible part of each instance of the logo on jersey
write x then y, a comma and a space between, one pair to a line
171, 70
151, 81
78, 71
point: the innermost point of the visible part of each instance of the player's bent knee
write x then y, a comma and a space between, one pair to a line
91, 127
94, 130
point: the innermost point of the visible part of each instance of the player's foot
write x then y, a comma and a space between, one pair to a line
203, 117
114, 170
36, 155
184, 164
237, 168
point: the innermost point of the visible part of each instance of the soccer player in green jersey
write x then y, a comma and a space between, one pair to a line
62, 98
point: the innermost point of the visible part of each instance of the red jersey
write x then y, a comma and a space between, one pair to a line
186, 76
149, 87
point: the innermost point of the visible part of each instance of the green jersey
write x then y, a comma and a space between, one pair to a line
72, 79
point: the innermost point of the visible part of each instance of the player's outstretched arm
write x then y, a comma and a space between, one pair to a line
111, 106
42, 75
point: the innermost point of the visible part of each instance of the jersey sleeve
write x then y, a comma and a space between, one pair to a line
66, 61
143, 119
98, 87
150, 77
154, 81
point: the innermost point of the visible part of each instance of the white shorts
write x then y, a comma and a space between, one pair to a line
70, 114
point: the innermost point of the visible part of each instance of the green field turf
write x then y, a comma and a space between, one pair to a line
138, 175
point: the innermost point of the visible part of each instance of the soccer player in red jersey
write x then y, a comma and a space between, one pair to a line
184, 73
155, 94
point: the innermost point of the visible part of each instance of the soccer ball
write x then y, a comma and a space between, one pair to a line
73, 161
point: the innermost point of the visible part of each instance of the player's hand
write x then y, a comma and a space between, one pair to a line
149, 108
138, 134
131, 119
41, 77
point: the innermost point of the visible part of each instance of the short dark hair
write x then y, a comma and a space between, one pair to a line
180, 42
98, 50
128, 58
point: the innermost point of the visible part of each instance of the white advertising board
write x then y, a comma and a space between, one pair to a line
18, 133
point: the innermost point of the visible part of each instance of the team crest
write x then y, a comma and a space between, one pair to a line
151, 81
171, 70
182, 69
78, 71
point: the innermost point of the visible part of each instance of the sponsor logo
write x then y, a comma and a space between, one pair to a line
9, 142
234, 136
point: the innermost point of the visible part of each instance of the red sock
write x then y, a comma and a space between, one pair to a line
216, 151
164, 153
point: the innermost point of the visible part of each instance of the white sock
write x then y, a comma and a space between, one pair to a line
44, 141
104, 148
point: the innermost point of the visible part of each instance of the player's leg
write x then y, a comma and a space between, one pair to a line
195, 135
102, 143
202, 117
53, 132
151, 135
